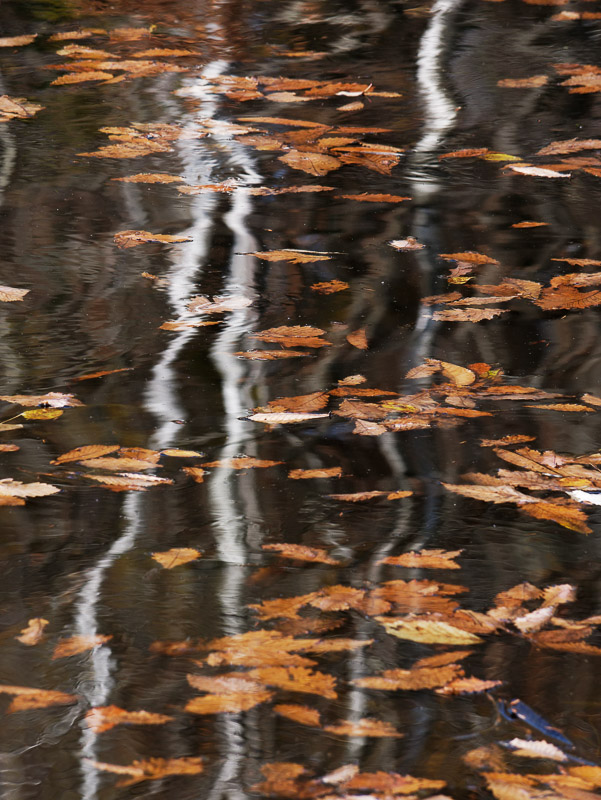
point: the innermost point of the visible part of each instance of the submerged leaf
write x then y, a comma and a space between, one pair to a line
364, 728
151, 769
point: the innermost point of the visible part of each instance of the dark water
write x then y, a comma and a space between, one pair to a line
81, 558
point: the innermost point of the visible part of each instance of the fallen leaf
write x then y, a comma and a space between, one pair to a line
538, 172
151, 177
312, 163
524, 83
505, 440
568, 516
126, 239
13, 492
283, 418
197, 473
329, 287
529, 224
129, 481
8, 294
393, 680
569, 146
425, 559
528, 748
242, 462
297, 679
300, 474
469, 152
233, 702
294, 256
9, 448
74, 645
26, 698
364, 728
176, 556
468, 686
468, 314
270, 355
52, 399
34, 632
301, 714
42, 413
361, 497
406, 244
470, 257
176, 453
390, 784
17, 41
366, 197
218, 305
86, 451
103, 718
302, 402
116, 464
300, 552
17, 108
101, 374
358, 339
428, 631
81, 77
151, 769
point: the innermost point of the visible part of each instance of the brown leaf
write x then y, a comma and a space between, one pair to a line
300, 123
271, 355
490, 494
469, 256
81, 77
52, 399
569, 146
300, 474
509, 439
301, 553
312, 163
567, 297
9, 448
129, 481
329, 287
34, 632
460, 376
26, 698
297, 679
74, 645
195, 472
17, 108
116, 464
242, 462
365, 428
428, 631
151, 177
103, 718
358, 339
17, 41
294, 256
568, 516
126, 239
526, 748
301, 403
406, 244
301, 714
151, 769
361, 497
218, 305
176, 556
411, 679
101, 374
176, 453
366, 197
13, 492
389, 783
425, 559
524, 83
468, 686
364, 728
468, 314
469, 152
529, 224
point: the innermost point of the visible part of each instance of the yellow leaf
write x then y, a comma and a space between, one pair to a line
500, 157
42, 413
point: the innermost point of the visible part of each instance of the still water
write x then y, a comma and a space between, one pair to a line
404, 85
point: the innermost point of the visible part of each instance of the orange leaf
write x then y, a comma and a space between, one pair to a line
34, 632
103, 718
364, 728
358, 339
301, 553
176, 556
301, 714
126, 239
74, 645
297, 679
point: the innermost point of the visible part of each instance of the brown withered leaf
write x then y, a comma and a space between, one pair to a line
103, 718
51, 399
300, 552
262, 647
242, 462
270, 355
126, 239
428, 631
329, 287
529, 224
116, 464
425, 559
358, 339
151, 177
410, 243
562, 407
300, 123
364, 728
297, 679
17, 108
129, 481
524, 83
74, 645
568, 516
177, 453
361, 497
468, 685
569, 146
517, 438
197, 473
381, 162
365, 428
470, 257
81, 77
182, 325
301, 474
81, 33
490, 494
366, 197
17, 41
13, 492
9, 295
314, 401
34, 632
567, 296
218, 305
468, 314
411, 679
101, 374
176, 556
389, 783
294, 256
150, 769
26, 698
313, 163
301, 714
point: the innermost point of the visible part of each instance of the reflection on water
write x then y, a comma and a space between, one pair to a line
299, 591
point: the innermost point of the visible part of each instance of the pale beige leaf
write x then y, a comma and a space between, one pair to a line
34, 632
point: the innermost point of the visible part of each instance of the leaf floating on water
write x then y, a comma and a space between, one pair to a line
468, 314
17, 41
313, 163
17, 108
428, 631
509, 439
13, 492
151, 769
362, 497
151, 177
301, 714
297, 679
126, 239
470, 152
227, 695
34, 632
197, 473
366, 197
86, 451
74, 645
42, 413
176, 556
293, 336
406, 244
470, 257
8, 294
537, 172
242, 462
414, 679
300, 552
103, 718
300, 474
25, 698
528, 748
81, 77
358, 339
468, 686
269, 355
116, 464
524, 83
176, 453
568, 516
129, 481
284, 418
52, 399
369, 728
101, 374
329, 287
218, 305
294, 256
425, 559
529, 224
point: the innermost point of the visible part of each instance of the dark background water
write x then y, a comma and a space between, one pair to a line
81, 558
